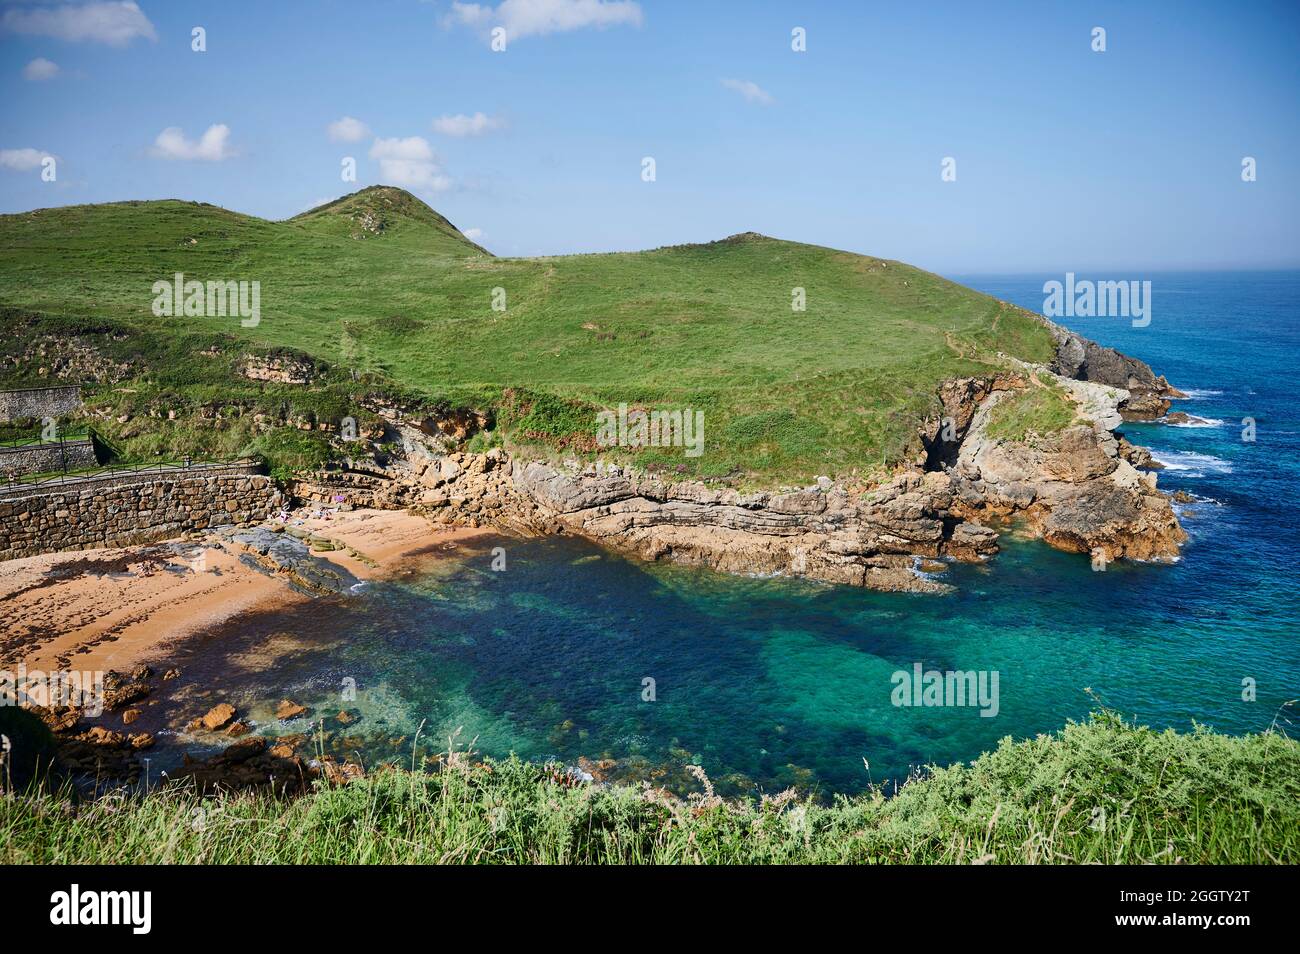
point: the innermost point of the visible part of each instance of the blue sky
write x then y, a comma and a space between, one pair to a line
1066, 158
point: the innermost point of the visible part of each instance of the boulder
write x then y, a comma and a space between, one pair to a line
218, 716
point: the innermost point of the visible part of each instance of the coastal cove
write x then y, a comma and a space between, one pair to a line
772, 682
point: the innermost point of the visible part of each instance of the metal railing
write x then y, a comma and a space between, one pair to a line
72, 436
14, 484
43, 387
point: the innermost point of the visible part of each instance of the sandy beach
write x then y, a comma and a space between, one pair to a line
111, 608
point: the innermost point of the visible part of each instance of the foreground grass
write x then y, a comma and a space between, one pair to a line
1103, 791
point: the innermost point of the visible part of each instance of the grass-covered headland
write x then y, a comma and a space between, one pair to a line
1103, 791
803, 360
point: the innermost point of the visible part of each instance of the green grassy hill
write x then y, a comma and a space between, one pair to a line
379, 283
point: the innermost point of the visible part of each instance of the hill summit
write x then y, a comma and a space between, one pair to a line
379, 209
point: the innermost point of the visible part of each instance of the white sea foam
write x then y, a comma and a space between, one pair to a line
1192, 464
1198, 506
1194, 421
1200, 394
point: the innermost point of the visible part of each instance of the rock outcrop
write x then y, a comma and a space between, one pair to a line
1078, 488
1074, 488
279, 368
1083, 360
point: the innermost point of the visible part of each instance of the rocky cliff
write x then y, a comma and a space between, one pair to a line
1076, 487
1079, 359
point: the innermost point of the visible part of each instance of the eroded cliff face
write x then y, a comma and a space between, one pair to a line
1077, 489
1079, 359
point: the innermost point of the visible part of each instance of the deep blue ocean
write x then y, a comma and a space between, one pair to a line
768, 682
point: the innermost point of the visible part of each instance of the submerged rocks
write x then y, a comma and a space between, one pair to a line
288, 710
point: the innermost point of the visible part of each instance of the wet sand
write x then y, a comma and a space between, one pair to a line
112, 608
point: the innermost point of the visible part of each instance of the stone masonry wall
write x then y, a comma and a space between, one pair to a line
46, 458
39, 402
129, 513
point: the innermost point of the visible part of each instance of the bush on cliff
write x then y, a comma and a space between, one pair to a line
1100, 791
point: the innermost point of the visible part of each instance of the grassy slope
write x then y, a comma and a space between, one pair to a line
1039, 409
193, 374
1103, 791
787, 395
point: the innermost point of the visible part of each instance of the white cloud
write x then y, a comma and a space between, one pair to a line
348, 129
751, 91
115, 23
21, 160
212, 146
523, 18
410, 163
40, 69
462, 125
472, 234
468, 14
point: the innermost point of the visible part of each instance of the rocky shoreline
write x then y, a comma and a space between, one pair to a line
97, 756
1079, 489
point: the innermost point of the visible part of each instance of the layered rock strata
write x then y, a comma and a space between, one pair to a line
1076, 488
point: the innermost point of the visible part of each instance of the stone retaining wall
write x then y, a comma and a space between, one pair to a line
39, 402
125, 513
46, 458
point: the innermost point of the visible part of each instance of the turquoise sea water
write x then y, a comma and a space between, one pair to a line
771, 682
